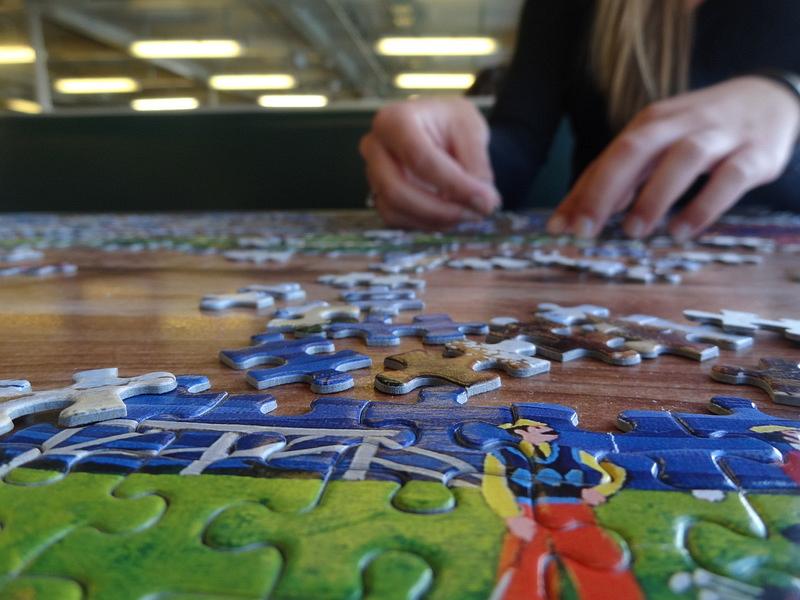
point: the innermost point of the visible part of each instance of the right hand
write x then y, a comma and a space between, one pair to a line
522, 527
428, 164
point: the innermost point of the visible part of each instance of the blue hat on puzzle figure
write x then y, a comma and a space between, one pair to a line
486, 436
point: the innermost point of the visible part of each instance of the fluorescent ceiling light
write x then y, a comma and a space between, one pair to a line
293, 101
436, 46
434, 81
97, 85
186, 49
150, 104
254, 81
17, 55
21, 105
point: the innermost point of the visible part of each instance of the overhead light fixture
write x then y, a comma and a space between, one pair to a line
154, 104
17, 55
436, 46
434, 81
97, 85
293, 101
20, 105
253, 81
186, 49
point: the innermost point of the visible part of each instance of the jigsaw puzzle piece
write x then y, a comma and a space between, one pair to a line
95, 395
27, 588
651, 340
711, 335
282, 291
685, 460
779, 377
377, 293
430, 449
359, 520
568, 315
315, 320
255, 300
417, 368
394, 575
728, 320
172, 556
565, 343
512, 356
350, 280
36, 517
433, 328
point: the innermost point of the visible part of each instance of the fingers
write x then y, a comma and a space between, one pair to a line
402, 203
471, 150
616, 174
742, 171
420, 142
674, 174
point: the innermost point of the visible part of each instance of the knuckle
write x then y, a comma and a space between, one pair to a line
631, 144
652, 112
738, 171
694, 148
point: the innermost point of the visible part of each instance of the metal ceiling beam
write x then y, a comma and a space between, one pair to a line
329, 30
117, 37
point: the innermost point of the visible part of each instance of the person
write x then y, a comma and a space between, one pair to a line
546, 492
692, 104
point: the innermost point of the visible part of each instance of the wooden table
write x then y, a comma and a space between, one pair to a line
139, 312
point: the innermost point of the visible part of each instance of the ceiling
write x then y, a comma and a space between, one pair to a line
327, 45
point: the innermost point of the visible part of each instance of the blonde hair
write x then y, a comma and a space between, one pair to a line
640, 51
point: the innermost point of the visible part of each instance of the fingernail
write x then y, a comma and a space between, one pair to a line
556, 224
468, 214
682, 232
584, 227
634, 227
482, 205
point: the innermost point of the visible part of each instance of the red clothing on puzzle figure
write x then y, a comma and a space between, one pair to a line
567, 534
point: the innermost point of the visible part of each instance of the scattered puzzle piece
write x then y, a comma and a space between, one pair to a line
565, 343
96, 395
371, 279
282, 291
314, 320
421, 367
433, 328
779, 377
298, 361
729, 320
650, 340
512, 356
711, 335
567, 315
259, 256
255, 300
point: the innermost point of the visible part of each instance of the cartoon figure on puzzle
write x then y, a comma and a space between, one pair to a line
546, 493
783, 434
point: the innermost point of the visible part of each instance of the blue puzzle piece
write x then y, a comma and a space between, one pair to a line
298, 361
388, 307
377, 293
434, 329
184, 402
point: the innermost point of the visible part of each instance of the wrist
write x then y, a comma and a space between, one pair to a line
789, 81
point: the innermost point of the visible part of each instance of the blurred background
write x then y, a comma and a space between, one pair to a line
225, 104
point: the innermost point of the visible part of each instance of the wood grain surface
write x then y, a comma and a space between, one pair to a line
139, 312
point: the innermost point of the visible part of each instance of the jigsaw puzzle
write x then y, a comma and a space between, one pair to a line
183, 450
314, 320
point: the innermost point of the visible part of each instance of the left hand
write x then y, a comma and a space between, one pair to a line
741, 132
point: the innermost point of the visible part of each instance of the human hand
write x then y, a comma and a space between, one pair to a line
741, 132
522, 527
428, 164
592, 497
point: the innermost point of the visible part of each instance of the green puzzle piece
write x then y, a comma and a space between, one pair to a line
171, 556
769, 561
33, 518
116, 538
356, 522
670, 532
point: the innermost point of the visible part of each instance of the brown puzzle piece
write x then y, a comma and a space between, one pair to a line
423, 367
779, 377
650, 340
564, 343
